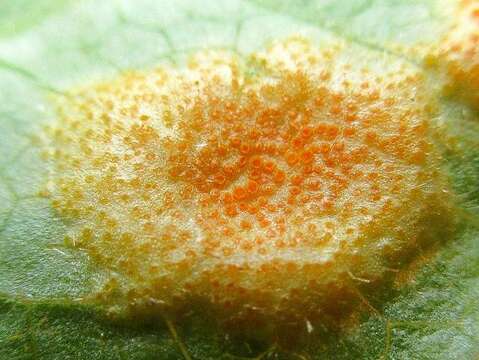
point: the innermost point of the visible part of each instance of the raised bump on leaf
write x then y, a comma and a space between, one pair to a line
267, 195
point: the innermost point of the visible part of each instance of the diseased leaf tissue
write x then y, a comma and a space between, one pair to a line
180, 184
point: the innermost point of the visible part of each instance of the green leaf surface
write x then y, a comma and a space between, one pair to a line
48, 46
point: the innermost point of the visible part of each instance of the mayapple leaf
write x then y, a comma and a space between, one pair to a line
48, 47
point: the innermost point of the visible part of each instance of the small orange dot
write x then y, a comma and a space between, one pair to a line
235, 142
318, 101
252, 186
227, 198
252, 209
349, 131
308, 169
307, 156
297, 142
231, 210
222, 151
295, 190
229, 170
335, 110
220, 179
256, 162
239, 193
243, 206
339, 146
255, 174
332, 132
264, 223
269, 166
245, 148
279, 176
306, 132
246, 225
292, 159
296, 180
242, 161
330, 162
324, 148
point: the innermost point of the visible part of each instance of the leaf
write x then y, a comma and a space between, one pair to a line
50, 45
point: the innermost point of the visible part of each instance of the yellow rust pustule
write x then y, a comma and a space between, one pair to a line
268, 188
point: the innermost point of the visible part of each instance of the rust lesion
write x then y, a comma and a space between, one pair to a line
456, 56
268, 188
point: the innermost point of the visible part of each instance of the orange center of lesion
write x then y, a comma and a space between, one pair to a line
304, 150
249, 154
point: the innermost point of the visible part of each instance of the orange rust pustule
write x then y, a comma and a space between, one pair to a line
457, 54
266, 188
